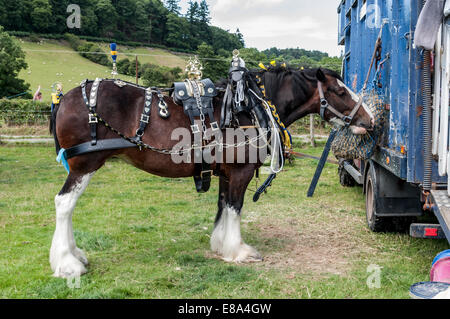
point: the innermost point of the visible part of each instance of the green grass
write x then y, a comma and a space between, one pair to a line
150, 55
148, 237
47, 68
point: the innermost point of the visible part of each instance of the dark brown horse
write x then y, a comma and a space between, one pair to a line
295, 94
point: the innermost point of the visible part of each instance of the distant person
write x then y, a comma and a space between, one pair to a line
38, 95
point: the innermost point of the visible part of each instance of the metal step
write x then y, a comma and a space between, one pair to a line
354, 173
441, 209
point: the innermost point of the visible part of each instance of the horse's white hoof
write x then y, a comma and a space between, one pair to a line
68, 267
245, 254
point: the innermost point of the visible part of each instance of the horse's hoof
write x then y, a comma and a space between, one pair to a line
246, 254
80, 255
69, 267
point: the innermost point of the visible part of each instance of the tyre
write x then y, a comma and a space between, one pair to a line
378, 223
375, 223
345, 179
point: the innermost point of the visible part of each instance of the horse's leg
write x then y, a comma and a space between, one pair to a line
66, 259
226, 238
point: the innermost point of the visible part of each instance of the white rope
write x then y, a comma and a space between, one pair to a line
277, 145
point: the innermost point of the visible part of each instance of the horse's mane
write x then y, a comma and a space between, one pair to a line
303, 79
274, 77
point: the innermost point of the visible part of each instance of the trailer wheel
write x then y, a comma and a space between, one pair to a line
375, 223
381, 223
345, 179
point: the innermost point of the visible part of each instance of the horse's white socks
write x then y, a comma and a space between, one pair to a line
226, 239
66, 259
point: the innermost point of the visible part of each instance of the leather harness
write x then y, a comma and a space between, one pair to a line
325, 106
196, 97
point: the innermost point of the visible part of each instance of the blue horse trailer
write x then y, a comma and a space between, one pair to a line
399, 183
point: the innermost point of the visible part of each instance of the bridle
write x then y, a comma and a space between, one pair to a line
324, 106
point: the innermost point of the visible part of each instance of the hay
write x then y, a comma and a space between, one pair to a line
348, 146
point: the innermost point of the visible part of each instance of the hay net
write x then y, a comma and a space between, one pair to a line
349, 146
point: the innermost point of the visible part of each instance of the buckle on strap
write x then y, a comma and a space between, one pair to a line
92, 119
215, 126
145, 118
195, 129
347, 120
323, 107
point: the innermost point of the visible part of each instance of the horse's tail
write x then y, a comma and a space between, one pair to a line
53, 126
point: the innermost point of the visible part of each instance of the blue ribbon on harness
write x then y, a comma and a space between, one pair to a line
61, 158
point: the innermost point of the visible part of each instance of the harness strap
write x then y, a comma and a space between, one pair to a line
91, 104
145, 116
101, 145
324, 106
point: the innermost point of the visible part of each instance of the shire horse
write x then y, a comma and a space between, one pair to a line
295, 94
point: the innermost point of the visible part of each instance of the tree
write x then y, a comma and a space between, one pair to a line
59, 16
177, 32
107, 17
142, 25
12, 61
240, 37
252, 57
192, 12
40, 15
173, 6
158, 20
203, 12
333, 63
222, 39
127, 16
305, 62
215, 67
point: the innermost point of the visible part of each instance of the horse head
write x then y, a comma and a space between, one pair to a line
339, 103
297, 93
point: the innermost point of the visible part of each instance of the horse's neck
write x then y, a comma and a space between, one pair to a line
297, 109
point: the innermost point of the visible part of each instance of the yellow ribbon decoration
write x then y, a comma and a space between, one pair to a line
285, 136
262, 66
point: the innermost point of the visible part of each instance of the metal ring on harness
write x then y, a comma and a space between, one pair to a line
324, 106
163, 111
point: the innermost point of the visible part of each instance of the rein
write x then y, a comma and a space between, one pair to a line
324, 106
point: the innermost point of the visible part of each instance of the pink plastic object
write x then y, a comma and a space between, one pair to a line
441, 270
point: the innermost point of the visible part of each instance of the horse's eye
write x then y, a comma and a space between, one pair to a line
341, 92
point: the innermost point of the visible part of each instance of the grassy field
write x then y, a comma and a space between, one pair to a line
151, 55
69, 68
148, 237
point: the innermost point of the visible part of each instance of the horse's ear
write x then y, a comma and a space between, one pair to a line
321, 76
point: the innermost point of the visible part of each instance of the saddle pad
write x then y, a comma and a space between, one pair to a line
183, 90
184, 95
